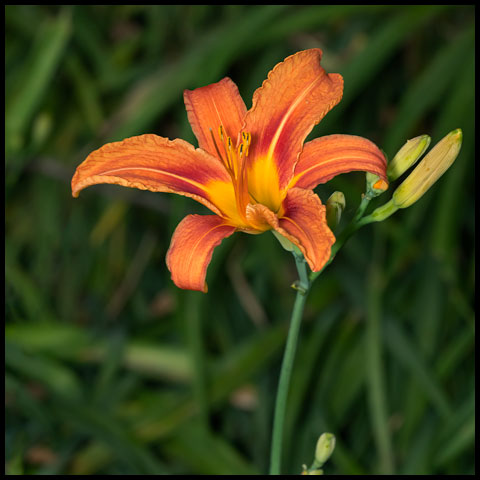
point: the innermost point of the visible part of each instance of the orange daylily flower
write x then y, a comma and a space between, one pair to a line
252, 169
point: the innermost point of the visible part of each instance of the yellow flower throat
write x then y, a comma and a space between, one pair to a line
259, 186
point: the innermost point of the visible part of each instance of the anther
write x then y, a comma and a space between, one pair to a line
216, 146
246, 141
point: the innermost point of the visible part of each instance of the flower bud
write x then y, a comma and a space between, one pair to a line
407, 156
324, 448
429, 170
335, 206
375, 185
312, 472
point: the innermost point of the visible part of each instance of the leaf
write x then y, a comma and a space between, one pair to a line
407, 353
39, 68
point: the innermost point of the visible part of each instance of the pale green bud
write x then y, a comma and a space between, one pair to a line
335, 206
407, 156
312, 472
324, 448
429, 170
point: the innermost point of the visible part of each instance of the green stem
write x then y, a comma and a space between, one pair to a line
380, 214
361, 208
302, 287
193, 317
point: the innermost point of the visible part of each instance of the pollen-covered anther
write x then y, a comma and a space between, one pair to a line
244, 146
228, 159
233, 160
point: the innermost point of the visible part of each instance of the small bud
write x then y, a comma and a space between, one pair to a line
429, 170
375, 185
297, 285
324, 448
335, 206
307, 471
312, 472
407, 156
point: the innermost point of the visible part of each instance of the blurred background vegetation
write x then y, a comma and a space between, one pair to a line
110, 369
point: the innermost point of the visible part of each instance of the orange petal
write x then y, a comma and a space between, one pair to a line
302, 221
154, 163
211, 106
192, 247
296, 96
326, 157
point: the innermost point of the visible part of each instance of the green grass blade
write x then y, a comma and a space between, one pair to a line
405, 352
430, 88
39, 70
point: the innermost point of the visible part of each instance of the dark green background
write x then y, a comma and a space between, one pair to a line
111, 369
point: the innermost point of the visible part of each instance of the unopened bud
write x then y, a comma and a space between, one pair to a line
335, 206
407, 156
375, 185
429, 170
324, 448
312, 472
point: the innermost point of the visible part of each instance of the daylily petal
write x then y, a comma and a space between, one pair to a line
296, 96
325, 157
154, 163
261, 218
192, 247
302, 221
210, 107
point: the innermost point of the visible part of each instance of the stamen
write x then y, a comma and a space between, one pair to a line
231, 160
243, 195
216, 147
234, 161
246, 141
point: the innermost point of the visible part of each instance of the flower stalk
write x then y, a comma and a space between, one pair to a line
302, 286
